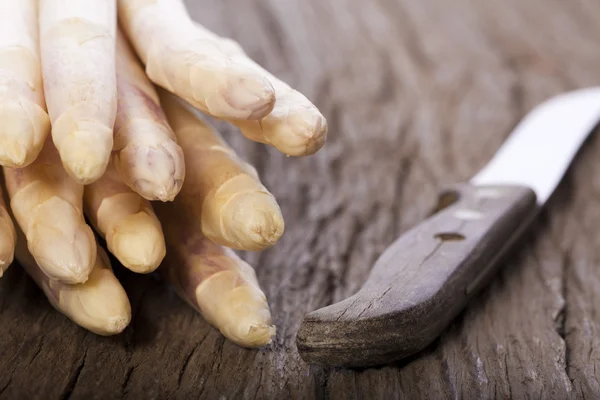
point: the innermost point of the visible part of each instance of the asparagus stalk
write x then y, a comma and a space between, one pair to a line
147, 155
295, 126
215, 75
24, 122
223, 192
196, 70
214, 281
77, 41
47, 205
99, 305
127, 222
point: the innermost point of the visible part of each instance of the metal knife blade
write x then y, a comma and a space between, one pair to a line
542, 146
427, 276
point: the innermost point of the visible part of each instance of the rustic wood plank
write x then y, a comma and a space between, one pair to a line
417, 93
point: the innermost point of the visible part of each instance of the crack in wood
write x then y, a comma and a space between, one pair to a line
562, 331
373, 302
68, 391
188, 357
127, 380
506, 373
350, 307
6, 385
216, 364
37, 352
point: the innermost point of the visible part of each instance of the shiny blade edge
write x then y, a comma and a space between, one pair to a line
542, 146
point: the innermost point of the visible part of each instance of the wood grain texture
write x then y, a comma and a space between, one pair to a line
417, 94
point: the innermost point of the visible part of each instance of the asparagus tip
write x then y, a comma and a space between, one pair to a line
138, 243
255, 223
22, 133
13, 154
251, 335
154, 172
85, 154
117, 324
70, 274
262, 334
165, 195
304, 134
62, 244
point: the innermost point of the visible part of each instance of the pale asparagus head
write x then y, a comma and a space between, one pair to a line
295, 128
77, 43
240, 311
60, 240
248, 216
214, 280
151, 162
23, 130
145, 150
231, 300
99, 305
236, 209
46, 203
135, 237
84, 146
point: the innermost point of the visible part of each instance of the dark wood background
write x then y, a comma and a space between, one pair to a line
417, 94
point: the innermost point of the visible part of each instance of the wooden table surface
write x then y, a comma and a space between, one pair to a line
417, 94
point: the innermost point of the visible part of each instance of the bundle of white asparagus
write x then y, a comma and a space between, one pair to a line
100, 117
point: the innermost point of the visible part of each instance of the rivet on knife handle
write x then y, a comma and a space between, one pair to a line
422, 281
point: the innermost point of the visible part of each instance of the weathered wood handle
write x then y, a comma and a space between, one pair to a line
422, 281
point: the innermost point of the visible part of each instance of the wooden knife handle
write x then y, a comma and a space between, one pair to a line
422, 281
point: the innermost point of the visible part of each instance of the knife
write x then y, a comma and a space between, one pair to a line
423, 280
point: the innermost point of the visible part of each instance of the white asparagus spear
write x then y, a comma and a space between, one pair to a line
99, 305
146, 152
222, 191
295, 126
47, 205
182, 56
77, 41
214, 280
24, 123
195, 70
127, 222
